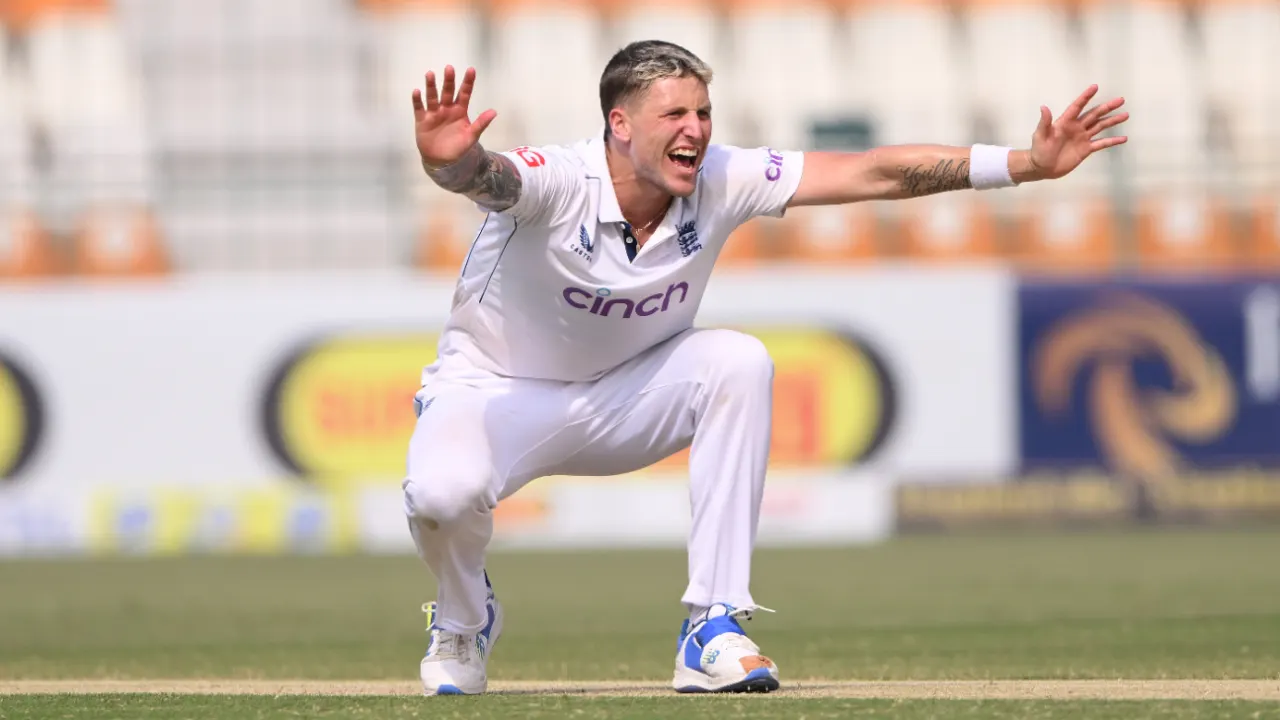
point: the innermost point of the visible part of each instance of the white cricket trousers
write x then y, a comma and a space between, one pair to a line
478, 441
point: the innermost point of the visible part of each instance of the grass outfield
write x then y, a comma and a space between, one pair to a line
1166, 605
560, 707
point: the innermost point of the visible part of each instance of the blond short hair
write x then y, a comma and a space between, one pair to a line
634, 68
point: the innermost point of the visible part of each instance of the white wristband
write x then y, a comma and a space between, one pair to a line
989, 167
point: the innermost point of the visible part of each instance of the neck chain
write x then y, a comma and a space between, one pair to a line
648, 227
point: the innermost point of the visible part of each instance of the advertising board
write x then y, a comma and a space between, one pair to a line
287, 385
1139, 401
1150, 379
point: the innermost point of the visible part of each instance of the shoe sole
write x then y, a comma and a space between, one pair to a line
759, 680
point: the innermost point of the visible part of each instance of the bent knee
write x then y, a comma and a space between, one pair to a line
739, 356
445, 497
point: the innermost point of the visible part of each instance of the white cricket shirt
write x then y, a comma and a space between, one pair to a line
547, 290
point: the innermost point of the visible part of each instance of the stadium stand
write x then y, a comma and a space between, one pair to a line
1241, 40
1264, 232
271, 150
840, 234
410, 37
786, 55
86, 100
1184, 230
543, 54
24, 250
141, 137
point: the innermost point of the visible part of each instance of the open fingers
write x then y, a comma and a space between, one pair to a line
1086, 116
1104, 143
482, 123
418, 110
446, 90
1076, 108
1109, 121
1098, 111
433, 99
464, 91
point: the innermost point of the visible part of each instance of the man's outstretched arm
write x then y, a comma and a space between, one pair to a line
907, 171
449, 143
894, 173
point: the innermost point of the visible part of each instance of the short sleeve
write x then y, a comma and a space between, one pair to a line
756, 181
548, 180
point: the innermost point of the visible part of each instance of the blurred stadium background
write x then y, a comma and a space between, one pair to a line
232, 134
221, 271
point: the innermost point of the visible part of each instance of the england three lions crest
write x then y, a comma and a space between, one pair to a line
687, 236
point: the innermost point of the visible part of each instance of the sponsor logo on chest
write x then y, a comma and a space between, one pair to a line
603, 302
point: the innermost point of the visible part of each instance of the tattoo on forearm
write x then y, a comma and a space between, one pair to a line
487, 178
946, 175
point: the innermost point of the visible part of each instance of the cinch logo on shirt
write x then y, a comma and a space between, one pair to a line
602, 302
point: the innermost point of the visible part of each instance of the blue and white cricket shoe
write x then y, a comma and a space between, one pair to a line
715, 655
454, 663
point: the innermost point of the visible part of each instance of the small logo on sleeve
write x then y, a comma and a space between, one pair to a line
773, 165
531, 157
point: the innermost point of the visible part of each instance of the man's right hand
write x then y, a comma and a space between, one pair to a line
449, 144
442, 127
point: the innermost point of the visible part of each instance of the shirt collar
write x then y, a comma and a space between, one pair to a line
598, 168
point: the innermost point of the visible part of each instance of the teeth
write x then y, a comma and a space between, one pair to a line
685, 153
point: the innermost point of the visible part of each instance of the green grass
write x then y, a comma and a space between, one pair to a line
556, 708
1153, 604
1140, 605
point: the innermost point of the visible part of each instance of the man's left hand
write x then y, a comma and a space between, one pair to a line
1059, 146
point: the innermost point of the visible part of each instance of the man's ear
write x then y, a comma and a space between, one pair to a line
620, 124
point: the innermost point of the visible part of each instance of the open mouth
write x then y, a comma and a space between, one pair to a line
686, 159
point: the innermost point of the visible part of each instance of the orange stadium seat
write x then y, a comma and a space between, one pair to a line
1184, 231
399, 5
948, 227
1264, 232
21, 13
121, 241
447, 227
1065, 233
746, 245
26, 248
829, 234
